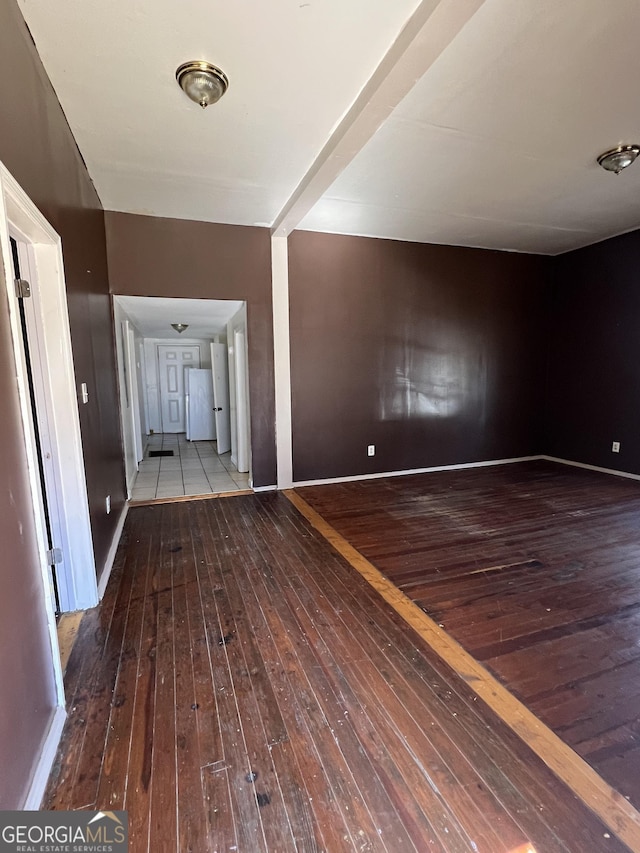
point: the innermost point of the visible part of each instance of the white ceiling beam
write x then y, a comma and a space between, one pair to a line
431, 28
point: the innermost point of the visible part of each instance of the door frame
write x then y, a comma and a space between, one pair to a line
127, 419
133, 391
79, 588
223, 421
239, 399
241, 377
40, 421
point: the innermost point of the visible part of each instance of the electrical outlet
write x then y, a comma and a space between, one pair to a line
108, 504
371, 450
615, 447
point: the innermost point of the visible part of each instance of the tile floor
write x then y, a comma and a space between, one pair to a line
194, 469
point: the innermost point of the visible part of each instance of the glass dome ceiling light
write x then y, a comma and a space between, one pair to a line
202, 82
619, 158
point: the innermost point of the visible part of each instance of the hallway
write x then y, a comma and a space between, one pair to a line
192, 468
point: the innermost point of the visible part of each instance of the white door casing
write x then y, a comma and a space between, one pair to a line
78, 587
172, 361
124, 392
43, 427
231, 353
142, 392
220, 373
130, 346
242, 402
239, 390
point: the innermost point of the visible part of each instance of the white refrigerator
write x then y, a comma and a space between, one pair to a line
201, 422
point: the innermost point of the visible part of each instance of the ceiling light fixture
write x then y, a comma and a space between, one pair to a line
619, 158
202, 82
180, 327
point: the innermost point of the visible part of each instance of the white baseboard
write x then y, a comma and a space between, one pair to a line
356, 477
38, 785
458, 467
591, 467
108, 566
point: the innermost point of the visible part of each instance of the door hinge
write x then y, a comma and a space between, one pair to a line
23, 288
54, 556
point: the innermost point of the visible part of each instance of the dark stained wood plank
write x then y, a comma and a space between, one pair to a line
535, 569
248, 645
314, 621
164, 775
89, 683
247, 819
113, 776
497, 754
316, 812
547, 789
361, 814
140, 758
470, 739
274, 768
194, 723
261, 723
218, 808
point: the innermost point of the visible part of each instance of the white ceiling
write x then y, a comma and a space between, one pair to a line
449, 121
153, 316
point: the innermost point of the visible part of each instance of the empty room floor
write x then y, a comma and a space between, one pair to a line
242, 687
534, 568
194, 468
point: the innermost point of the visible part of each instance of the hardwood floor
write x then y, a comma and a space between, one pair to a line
535, 569
241, 687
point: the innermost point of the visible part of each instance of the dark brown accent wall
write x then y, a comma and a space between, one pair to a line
594, 355
434, 354
38, 148
153, 256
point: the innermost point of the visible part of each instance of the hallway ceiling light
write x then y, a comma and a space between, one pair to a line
619, 158
202, 82
180, 327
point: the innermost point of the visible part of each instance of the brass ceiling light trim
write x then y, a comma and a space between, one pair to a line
619, 158
202, 82
179, 327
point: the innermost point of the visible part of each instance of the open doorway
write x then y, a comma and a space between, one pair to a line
182, 369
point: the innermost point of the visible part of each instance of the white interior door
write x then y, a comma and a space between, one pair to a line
220, 372
242, 401
233, 414
132, 376
142, 390
124, 390
201, 422
172, 361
